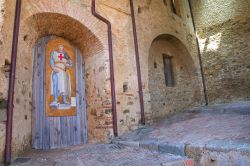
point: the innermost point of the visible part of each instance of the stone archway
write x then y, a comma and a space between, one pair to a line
185, 90
95, 54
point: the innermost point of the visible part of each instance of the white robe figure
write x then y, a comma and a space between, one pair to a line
60, 77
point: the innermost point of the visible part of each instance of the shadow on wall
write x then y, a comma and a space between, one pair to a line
173, 81
225, 52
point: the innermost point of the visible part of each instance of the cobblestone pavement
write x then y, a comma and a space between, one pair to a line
98, 155
198, 127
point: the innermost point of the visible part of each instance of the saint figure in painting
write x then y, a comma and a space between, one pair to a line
60, 63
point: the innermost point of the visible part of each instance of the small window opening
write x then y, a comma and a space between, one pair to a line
125, 87
155, 65
165, 2
175, 7
139, 9
168, 70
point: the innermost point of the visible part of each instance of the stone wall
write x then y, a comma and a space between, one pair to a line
75, 23
128, 108
185, 92
90, 35
155, 18
223, 28
6, 24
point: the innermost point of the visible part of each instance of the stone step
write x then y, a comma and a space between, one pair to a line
101, 155
176, 149
217, 135
242, 107
217, 151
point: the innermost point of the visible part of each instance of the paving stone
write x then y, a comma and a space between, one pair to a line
129, 143
197, 127
219, 131
176, 149
98, 155
151, 145
174, 163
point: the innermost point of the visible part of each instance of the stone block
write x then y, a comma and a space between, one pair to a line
174, 163
128, 143
151, 145
176, 149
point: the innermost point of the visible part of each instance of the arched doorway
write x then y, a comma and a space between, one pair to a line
91, 44
59, 114
173, 79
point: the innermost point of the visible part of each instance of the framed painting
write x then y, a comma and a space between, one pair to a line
60, 78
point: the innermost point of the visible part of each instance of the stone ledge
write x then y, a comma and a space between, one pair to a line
174, 163
176, 149
242, 146
241, 107
127, 143
187, 162
188, 150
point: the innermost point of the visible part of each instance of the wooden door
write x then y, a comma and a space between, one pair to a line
52, 126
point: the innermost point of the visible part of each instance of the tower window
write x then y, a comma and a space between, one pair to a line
175, 7
168, 70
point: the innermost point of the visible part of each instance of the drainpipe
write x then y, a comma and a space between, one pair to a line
199, 56
12, 84
137, 57
112, 77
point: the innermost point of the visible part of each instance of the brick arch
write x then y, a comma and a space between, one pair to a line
91, 40
186, 91
43, 24
77, 10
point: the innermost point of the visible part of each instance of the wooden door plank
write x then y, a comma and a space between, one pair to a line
40, 93
78, 97
41, 89
35, 133
56, 132
63, 131
51, 133
47, 39
46, 136
84, 108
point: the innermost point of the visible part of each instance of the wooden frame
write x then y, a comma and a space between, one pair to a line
52, 45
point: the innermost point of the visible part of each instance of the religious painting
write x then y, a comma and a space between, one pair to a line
60, 78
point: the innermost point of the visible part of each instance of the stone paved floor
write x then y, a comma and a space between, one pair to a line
198, 127
211, 127
99, 155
